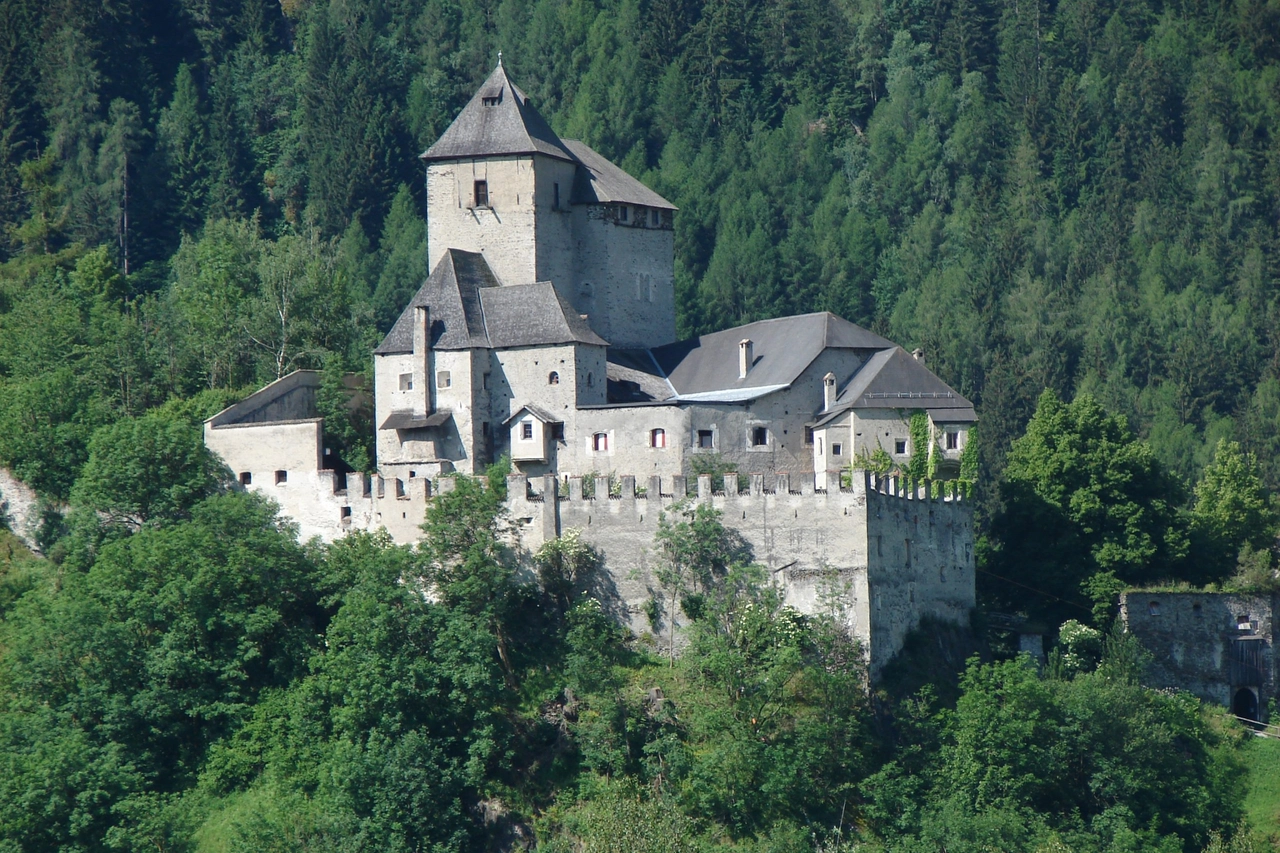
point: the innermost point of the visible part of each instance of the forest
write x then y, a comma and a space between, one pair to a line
1072, 207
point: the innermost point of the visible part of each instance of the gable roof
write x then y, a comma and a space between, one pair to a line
893, 379
599, 181
467, 308
540, 414
499, 119
706, 368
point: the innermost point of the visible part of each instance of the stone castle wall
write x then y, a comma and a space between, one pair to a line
1193, 638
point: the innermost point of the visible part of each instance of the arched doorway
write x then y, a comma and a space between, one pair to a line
1245, 704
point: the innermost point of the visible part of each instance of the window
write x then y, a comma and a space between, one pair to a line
819, 445
557, 432
953, 440
485, 381
837, 449
443, 379
600, 442
246, 478
346, 515
1244, 623
808, 435
526, 430
623, 212
900, 446
282, 477
657, 438
759, 436
1153, 608
591, 380
1197, 609
556, 196
706, 439
656, 217
406, 381
553, 378
482, 194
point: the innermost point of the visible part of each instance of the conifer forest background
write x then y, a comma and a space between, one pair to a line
1072, 208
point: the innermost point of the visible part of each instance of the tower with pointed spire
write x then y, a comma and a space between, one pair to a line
501, 183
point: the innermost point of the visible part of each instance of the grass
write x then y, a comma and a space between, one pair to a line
1262, 804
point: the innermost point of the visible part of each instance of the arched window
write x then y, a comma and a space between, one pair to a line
553, 378
658, 438
600, 442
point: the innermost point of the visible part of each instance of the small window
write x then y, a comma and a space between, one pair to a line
282, 477
900, 446
706, 439
412, 474
553, 378
953, 440
1244, 623
658, 438
484, 381
623, 212
1153, 608
406, 381
656, 217
837, 449
246, 478
759, 436
482, 193
808, 435
1197, 609
591, 380
443, 379
526, 430
557, 432
600, 442
555, 188
346, 514
819, 445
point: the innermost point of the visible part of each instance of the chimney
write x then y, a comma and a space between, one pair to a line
828, 391
421, 329
918, 354
744, 357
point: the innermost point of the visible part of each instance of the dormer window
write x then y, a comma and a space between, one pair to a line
491, 97
482, 194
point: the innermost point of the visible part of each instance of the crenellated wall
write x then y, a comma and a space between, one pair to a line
876, 553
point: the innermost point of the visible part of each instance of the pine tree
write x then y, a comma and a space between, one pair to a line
116, 157
184, 144
404, 246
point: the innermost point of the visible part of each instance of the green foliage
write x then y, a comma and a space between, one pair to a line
1082, 496
151, 468
1232, 510
921, 464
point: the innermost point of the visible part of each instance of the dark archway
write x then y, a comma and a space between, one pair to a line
1245, 704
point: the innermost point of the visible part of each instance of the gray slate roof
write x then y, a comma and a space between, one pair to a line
467, 308
599, 182
781, 348
509, 126
541, 414
893, 379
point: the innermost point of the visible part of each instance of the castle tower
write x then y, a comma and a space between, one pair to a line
500, 182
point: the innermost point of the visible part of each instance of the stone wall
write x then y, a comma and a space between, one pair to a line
874, 554
1193, 637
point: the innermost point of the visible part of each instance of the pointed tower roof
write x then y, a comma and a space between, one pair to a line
498, 120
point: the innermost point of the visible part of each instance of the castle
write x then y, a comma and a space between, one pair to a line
546, 332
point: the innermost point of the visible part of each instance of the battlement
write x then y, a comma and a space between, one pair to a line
706, 487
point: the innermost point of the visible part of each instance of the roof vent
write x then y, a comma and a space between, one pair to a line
828, 391
744, 357
918, 354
